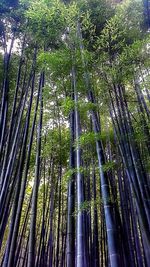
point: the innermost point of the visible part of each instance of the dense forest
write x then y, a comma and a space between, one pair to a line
74, 133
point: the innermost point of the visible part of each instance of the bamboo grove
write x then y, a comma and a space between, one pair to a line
75, 133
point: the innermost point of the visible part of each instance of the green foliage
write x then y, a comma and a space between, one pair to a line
89, 138
112, 38
67, 106
46, 21
85, 206
121, 30
99, 11
86, 106
116, 52
133, 56
58, 62
109, 166
68, 176
57, 144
